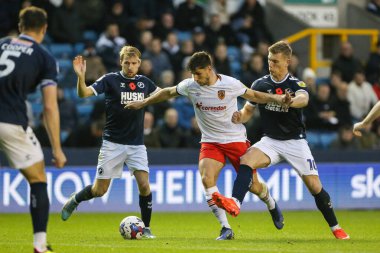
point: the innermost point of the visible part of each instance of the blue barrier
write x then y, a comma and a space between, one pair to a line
179, 188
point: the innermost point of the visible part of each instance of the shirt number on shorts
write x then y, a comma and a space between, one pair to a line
312, 164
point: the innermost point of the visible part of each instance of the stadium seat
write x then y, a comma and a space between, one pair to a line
78, 48
233, 53
61, 50
182, 36
90, 35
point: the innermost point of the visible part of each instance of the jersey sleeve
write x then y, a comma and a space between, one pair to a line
183, 87
239, 88
50, 73
99, 86
299, 86
151, 86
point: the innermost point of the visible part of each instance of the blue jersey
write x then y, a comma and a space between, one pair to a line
280, 123
123, 126
24, 65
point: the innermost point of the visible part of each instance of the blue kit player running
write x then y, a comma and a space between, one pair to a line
284, 138
123, 132
24, 65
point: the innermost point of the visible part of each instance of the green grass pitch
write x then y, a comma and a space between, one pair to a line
304, 231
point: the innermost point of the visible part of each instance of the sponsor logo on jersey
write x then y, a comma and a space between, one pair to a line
275, 107
131, 96
122, 85
205, 108
221, 94
301, 84
140, 85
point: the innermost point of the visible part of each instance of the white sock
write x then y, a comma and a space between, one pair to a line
266, 197
335, 227
219, 213
237, 202
39, 241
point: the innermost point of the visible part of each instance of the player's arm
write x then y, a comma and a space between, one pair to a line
244, 114
161, 95
372, 115
300, 100
79, 65
51, 116
264, 98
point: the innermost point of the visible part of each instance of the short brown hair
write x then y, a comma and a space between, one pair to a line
199, 60
32, 19
129, 51
281, 47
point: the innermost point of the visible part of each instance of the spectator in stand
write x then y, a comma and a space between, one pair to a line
254, 70
171, 45
368, 139
146, 69
86, 136
68, 114
163, 6
346, 63
374, 7
137, 9
217, 33
151, 138
160, 59
247, 31
92, 14
336, 82
295, 68
346, 139
341, 105
361, 96
108, 47
310, 79
221, 60
185, 111
118, 15
171, 135
199, 39
189, 15
95, 66
66, 24
165, 26
145, 39
320, 114
225, 8
193, 135
373, 66
167, 79
262, 48
8, 17
186, 50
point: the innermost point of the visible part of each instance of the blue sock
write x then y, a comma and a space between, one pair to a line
145, 203
242, 182
39, 206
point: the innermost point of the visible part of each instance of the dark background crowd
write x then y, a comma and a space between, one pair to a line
168, 32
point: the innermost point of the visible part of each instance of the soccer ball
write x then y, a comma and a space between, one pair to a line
131, 227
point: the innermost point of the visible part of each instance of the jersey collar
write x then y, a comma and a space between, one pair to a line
133, 78
24, 36
286, 77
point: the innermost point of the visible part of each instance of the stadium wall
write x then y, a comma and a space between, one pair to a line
176, 185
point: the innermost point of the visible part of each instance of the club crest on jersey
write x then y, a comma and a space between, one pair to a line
221, 94
140, 85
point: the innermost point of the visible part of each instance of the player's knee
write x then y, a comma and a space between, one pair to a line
208, 180
144, 188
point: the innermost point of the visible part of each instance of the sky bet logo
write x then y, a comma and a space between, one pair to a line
131, 96
365, 185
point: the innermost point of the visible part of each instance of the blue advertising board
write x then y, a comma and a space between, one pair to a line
179, 188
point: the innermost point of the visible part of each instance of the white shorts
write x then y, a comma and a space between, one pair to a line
112, 157
20, 146
296, 152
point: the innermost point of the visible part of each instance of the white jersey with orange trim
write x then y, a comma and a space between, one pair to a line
214, 106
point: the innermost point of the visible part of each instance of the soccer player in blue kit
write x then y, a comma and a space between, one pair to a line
284, 138
24, 66
123, 133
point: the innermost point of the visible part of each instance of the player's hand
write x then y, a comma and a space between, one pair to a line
59, 159
79, 65
286, 100
134, 105
358, 128
236, 117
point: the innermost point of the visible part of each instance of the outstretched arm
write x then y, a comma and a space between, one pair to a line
372, 115
79, 65
264, 98
300, 100
161, 95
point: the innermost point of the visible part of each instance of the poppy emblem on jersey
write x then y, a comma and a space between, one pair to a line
221, 94
141, 85
279, 91
132, 86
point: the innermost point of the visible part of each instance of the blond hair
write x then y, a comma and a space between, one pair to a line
129, 51
281, 47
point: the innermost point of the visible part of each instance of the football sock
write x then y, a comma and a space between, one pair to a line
39, 206
219, 213
266, 197
39, 241
84, 194
324, 204
145, 203
242, 182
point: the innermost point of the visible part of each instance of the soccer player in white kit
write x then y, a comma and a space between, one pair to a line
214, 98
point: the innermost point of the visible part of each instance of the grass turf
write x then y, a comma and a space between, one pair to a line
304, 231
